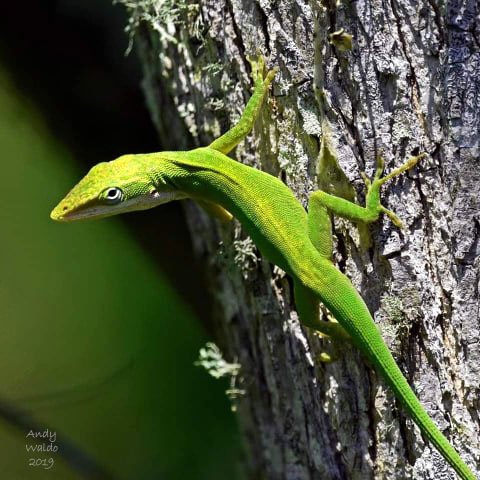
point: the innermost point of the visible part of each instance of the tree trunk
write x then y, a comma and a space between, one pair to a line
410, 84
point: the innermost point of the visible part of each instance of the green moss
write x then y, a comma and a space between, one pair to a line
393, 308
393, 322
397, 313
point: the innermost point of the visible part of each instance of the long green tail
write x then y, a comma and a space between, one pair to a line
341, 298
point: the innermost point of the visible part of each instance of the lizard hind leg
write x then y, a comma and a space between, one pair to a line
308, 310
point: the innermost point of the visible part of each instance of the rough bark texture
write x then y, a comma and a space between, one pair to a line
410, 84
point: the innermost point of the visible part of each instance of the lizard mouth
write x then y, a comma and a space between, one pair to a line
73, 208
63, 212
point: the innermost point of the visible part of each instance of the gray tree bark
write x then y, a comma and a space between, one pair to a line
410, 84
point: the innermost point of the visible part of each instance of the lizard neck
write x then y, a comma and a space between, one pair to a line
202, 174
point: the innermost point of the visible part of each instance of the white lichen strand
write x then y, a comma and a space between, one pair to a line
211, 359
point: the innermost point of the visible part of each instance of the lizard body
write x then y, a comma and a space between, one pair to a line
286, 235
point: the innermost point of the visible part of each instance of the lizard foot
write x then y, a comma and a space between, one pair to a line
373, 186
260, 79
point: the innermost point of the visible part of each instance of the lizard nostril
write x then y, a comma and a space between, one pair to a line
65, 208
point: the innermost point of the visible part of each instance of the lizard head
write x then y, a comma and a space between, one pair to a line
109, 188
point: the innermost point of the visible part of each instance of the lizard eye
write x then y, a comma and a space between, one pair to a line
113, 195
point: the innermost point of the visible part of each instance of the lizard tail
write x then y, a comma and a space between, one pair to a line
341, 298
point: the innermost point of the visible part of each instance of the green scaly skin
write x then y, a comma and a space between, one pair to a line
287, 236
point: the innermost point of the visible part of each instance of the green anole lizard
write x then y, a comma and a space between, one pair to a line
299, 243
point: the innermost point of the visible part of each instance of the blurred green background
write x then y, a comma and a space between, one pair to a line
99, 327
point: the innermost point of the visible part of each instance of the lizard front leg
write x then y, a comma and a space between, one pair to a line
229, 140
